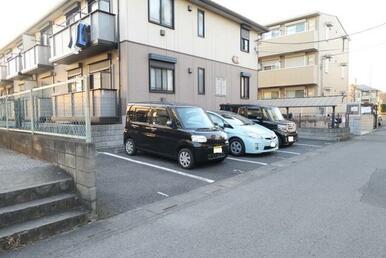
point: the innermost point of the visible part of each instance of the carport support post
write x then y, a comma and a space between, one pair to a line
333, 117
287, 108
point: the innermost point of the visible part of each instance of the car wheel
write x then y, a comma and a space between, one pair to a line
186, 158
236, 147
130, 147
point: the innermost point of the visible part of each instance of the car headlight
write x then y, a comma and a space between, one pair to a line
199, 138
283, 128
254, 135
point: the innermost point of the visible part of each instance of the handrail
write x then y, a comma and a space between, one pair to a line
82, 18
36, 45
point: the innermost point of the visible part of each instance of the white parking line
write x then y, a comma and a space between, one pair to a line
308, 145
288, 152
210, 181
163, 194
248, 161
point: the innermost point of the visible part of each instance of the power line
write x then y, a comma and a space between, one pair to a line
326, 40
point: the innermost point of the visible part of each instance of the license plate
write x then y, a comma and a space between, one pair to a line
217, 149
273, 144
290, 138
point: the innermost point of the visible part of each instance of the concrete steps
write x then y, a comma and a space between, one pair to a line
33, 230
38, 210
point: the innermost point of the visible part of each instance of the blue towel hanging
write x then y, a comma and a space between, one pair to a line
82, 35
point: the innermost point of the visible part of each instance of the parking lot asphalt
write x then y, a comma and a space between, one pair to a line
126, 183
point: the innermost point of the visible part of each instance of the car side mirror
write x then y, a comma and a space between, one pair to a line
228, 126
170, 123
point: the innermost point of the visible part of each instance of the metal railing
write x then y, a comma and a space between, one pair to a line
34, 111
35, 56
14, 66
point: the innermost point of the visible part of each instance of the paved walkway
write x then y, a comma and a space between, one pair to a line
331, 203
18, 171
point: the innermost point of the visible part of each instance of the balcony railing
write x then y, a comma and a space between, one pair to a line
3, 75
287, 44
102, 38
304, 75
36, 59
14, 67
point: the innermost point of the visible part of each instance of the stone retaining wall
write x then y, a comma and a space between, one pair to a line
75, 157
324, 134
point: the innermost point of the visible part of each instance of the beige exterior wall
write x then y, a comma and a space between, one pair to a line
222, 36
135, 78
325, 68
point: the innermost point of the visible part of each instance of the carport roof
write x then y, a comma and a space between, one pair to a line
329, 101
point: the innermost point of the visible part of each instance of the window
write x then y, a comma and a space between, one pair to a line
295, 93
244, 40
139, 114
326, 62
162, 12
216, 120
296, 28
328, 29
161, 77
73, 15
295, 61
73, 74
159, 116
45, 36
201, 81
274, 33
271, 65
201, 23
244, 87
100, 75
221, 87
270, 94
100, 80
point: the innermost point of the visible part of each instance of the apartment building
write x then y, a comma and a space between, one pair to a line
48, 53
194, 52
365, 94
304, 56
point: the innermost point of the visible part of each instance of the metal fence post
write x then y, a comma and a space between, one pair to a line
6, 112
32, 111
86, 107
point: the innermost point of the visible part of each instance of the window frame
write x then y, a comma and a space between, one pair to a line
160, 15
242, 40
203, 81
173, 91
244, 79
199, 11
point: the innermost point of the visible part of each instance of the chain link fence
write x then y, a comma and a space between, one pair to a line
59, 109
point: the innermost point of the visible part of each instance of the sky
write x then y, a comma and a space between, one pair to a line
367, 50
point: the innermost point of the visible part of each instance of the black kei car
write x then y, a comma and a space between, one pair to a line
269, 117
180, 132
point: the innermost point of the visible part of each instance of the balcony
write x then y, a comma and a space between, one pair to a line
36, 60
102, 38
278, 46
3, 75
14, 67
305, 75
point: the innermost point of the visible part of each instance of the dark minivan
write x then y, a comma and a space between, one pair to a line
269, 117
180, 132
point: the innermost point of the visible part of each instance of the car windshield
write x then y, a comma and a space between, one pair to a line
272, 113
194, 118
266, 113
236, 119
